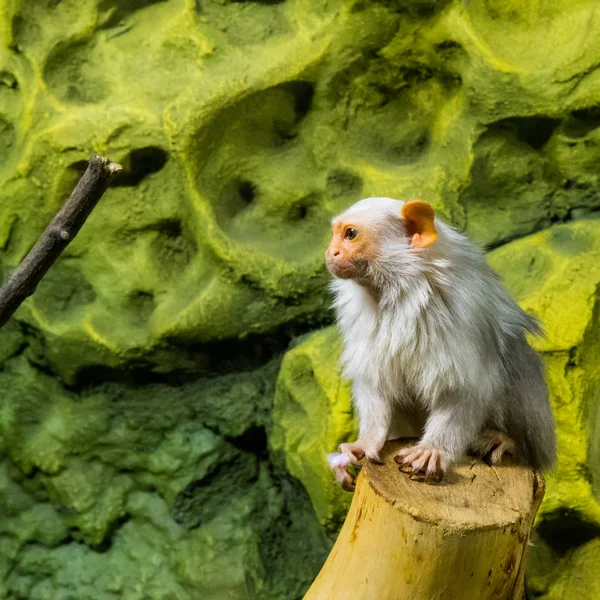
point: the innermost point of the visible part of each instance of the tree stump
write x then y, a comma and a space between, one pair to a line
462, 539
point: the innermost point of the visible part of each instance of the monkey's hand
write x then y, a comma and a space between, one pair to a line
422, 462
368, 447
350, 454
339, 464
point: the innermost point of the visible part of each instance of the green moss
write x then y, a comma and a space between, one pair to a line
555, 275
312, 415
159, 489
242, 128
580, 577
241, 135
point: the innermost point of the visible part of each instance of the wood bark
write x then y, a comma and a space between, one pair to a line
463, 539
23, 281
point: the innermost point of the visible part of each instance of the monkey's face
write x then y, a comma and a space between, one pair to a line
371, 235
352, 248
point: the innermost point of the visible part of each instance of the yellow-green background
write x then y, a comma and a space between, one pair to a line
168, 396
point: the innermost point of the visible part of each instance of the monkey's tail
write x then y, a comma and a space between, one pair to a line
539, 440
530, 420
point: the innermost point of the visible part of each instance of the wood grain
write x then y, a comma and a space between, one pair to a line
406, 540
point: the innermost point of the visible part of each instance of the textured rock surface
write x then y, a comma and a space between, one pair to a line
242, 126
312, 415
147, 491
137, 383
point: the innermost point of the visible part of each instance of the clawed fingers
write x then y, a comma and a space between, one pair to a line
339, 465
434, 471
497, 454
407, 456
347, 482
421, 462
353, 452
402, 453
492, 446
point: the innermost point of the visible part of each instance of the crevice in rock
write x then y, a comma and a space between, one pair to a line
106, 544
204, 499
117, 10
565, 529
253, 440
574, 214
140, 163
224, 357
534, 131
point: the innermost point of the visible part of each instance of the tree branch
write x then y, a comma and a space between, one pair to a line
24, 280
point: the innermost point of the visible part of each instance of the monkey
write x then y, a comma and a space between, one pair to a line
433, 345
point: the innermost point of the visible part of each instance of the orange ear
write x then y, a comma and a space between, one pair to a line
418, 216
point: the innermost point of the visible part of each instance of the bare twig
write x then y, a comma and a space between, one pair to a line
23, 281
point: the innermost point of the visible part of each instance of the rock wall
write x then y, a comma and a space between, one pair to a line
156, 442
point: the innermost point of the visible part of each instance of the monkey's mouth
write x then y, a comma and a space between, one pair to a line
344, 270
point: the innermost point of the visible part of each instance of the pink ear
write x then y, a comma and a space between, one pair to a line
418, 216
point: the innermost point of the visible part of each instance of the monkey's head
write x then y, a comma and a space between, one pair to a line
370, 229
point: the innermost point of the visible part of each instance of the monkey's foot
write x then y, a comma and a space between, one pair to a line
358, 450
492, 445
422, 462
354, 452
339, 464
351, 454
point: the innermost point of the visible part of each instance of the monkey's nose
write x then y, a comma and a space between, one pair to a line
336, 253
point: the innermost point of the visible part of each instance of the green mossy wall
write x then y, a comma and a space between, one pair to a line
164, 408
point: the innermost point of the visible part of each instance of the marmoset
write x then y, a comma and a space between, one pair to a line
434, 345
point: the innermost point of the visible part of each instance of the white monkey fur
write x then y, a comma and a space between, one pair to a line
433, 331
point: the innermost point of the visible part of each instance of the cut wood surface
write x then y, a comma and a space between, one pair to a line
61, 231
462, 539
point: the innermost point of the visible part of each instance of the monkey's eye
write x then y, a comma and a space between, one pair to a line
351, 233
